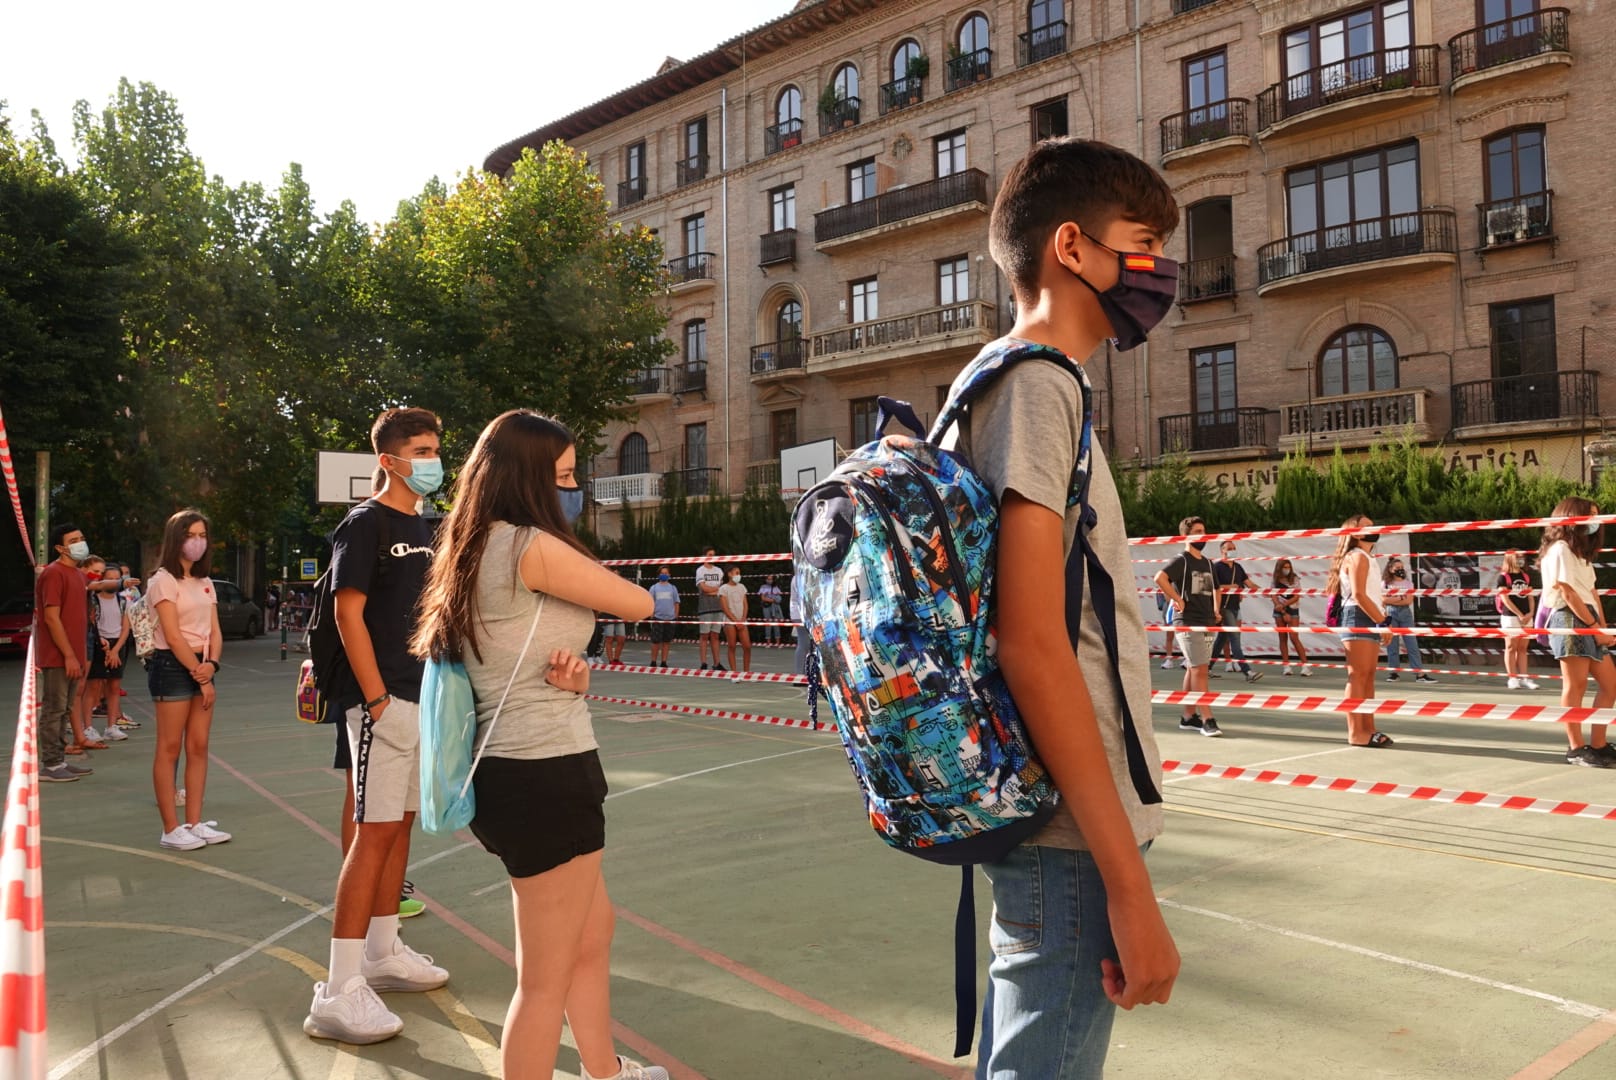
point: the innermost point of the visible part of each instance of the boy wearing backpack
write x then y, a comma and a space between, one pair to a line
1077, 228
380, 555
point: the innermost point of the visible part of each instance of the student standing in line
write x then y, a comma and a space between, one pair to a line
1514, 603
1566, 563
665, 610
109, 646
1400, 613
61, 654
1190, 583
1354, 579
732, 597
513, 595
1287, 617
769, 596
1232, 577
709, 609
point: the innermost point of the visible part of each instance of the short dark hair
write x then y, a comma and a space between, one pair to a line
708, 549
58, 536
395, 427
1069, 179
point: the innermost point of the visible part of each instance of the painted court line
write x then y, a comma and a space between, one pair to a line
1571, 1051
1575, 1008
720, 768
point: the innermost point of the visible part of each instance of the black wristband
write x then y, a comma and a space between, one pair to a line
372, 704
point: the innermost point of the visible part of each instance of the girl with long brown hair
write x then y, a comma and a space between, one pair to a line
1514, 603
1565, 561
513, 595
1287, 618
1354, 579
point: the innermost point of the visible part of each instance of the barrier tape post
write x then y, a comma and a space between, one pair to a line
22, 903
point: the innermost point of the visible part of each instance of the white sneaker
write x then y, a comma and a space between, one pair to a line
1304, 671
1530, 684
405, 970
628, 1070
91, 735
356, 1015
1286, 670
113, 734
1228, 665
182, 839
1167, 664
1514, 683
208, 834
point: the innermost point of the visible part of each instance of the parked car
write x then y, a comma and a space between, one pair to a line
237, 614
16, 624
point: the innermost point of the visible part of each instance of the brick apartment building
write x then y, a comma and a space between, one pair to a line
1397, 221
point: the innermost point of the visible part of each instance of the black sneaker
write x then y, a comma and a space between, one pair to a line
720, 667
57, 774
1588, 758
1424, 678
1189, 723
1209, 728
704, 667
1392, 677
1608, 752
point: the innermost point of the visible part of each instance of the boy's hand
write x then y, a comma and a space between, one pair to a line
1147, 960
568, 672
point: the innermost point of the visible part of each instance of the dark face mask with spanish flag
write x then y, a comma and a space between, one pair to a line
1145, 290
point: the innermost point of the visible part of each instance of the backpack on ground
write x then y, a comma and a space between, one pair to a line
895, 558
325, 676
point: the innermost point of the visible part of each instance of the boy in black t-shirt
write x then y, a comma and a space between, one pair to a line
1191, 583
379, 560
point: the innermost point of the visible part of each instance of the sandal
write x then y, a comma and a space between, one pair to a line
92, 744
1378, 741
72, 748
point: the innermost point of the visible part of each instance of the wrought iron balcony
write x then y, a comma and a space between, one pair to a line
844, 115
1410, 67
1219, 120
690, 377
779, 246
902, 93
1521, 399
1368, 416
692, 481
697, 266
1519, 220
1423, 232
775, 357
1184, 7
1206, 279
651, 381
782, 136
1519, 38
968, 69
631, 191
1042, 43
692, 169
910, 202
1220, 430
914, 328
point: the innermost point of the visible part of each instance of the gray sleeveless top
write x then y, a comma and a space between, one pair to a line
538, 721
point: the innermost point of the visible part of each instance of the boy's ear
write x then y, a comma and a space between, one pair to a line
1066, 246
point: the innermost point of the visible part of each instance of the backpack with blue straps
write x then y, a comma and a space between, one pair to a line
895, 556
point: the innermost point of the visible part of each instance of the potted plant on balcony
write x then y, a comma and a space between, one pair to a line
919, 67
831, 100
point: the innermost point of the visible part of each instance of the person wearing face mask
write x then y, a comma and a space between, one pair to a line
1287, 617
1514, 603
1400, 612
1565, 561
61, 650
1232, 577
769, 596
1191, 583
1353, 578
513, 595
732, 597
665, 597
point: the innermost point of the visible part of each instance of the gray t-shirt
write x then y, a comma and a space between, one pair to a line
1029, 422
538, 721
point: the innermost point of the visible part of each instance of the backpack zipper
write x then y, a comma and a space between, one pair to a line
901, 553
958, 576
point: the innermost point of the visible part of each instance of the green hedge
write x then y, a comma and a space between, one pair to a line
759, 523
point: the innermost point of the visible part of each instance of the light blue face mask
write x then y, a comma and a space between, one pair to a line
1592, 527
572, 503
426, 476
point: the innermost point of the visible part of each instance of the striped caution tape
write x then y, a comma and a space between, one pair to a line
1417, 792
1405, 631
722, 714
1429, 710
696, 673
1381, 530
10, 474
22, 901
1328, 665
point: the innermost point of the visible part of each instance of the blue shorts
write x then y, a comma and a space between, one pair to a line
1568, 646
167, 678
1357, 626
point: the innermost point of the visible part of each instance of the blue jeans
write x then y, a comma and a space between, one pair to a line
1237, 650
1046, 1014
771, 613
1402, 616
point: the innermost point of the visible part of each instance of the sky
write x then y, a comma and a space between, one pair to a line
372, 99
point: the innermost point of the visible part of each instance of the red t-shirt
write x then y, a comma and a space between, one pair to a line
60, 586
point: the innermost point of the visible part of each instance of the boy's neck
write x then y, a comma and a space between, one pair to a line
396, 495
1046, 323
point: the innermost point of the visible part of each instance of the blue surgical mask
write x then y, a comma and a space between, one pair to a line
662, 577
1592, 527
80, 551
572, 503
426, 476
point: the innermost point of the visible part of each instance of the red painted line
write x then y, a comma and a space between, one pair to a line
1573, 1050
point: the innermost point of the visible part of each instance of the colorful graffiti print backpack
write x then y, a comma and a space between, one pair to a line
895, 556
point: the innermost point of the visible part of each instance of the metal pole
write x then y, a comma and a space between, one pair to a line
1582, 408
42, 507
286, 595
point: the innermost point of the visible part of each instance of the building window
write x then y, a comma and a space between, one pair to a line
782, 432
696, 447
861, 180
693, 167
865, 413
1523, 338
786, 131
1515, 165
954, 280
907, 51
1344, 50
1206, 92
696, 341
1358, 360
973, 34
846, 83
788, 321
1367, 198
695, 234
633, 455
1209, 240
950, 154
788, 107
633, 187
865, 300
1213, 374
1042, 14
783, 208
1049, 120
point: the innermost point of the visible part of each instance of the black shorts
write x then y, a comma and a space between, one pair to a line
344, 758
98, 662
536, 815
661, 633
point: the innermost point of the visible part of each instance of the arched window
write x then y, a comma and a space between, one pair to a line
907, 50
633, 455
973, 34
788, 107
788, 321
1358, 360
846, 82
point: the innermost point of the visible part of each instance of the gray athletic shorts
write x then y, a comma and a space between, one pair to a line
1196, 647
386, 761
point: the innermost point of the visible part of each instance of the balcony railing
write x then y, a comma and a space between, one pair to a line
631, 487
844, 115
909, 202
691, 169
916, 326
782, 136
631, 191
691, 377
694, 481
1042, 43
697, 266
1372, 73
1381, 411
967, 69
650, 381
1184, 7
1222, 429
1518, 399
902, 93
1205, 279
1515, 221
777, 247
1419, 233
777, 356
763, 474
1517, 38
1219, 120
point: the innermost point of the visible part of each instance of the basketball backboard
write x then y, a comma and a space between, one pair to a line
803, 466
342, 478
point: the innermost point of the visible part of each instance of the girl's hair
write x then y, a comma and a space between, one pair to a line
1582, 545
510, 477
1386, 574
1284, 567
1513, 557
1344, 545
174, 536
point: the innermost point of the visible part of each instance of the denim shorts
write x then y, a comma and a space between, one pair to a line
1354, 622
1566, 646
167, 678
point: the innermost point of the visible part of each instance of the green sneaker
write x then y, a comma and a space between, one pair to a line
408, 906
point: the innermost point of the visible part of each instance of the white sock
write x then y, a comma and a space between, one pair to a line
346, 956
380, 937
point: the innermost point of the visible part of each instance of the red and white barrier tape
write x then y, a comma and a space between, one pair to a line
22, 901
1159, 655
604, 619
1381, 530
10, 473
696, 673
1428, 710
697, 560
1403, 631
1416, 792
722, 714
1145, 590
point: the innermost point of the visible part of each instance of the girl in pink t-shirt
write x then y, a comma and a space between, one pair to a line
180, 676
